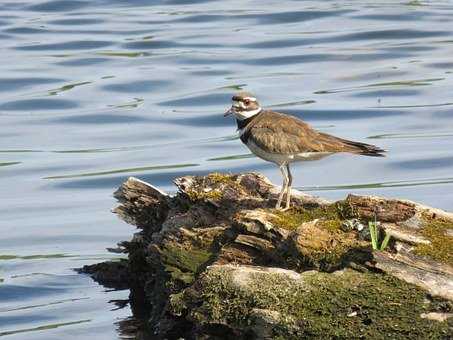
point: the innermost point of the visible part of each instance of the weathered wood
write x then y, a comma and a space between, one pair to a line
418, 272
441, 317
141, 204
226, 223
405, 253
381, 209
404, 234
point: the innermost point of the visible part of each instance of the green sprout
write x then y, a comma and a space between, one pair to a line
375, 236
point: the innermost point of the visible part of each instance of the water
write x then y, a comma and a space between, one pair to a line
92, 92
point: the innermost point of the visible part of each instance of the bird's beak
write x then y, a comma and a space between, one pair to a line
228, 112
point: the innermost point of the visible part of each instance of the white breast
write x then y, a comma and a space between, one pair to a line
311, 156
269, 156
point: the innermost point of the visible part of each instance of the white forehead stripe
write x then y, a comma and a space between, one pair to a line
253, 99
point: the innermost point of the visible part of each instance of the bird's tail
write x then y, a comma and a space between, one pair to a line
363, 148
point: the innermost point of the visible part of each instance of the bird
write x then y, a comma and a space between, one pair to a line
283, 139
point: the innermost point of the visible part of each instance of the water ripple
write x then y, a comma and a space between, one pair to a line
43, 305
322, 57
25, 30
315, 115
389, 184
162, 44
82, 62
128, 170
76, 22
431, 163
200, 100
38, 104
398, 83
44, 327
58, 6
69, 45
138, 86
413, 135
407, 16
387, 93
292, 16
12, 292
391, 34
98, 119
14, 84
9, 163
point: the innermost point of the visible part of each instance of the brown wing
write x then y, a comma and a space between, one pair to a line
280, 133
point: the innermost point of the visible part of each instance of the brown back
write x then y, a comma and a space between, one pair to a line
280, 133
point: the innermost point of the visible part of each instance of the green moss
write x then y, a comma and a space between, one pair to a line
386, 307
316, 245
332, 225
322, 245
183, 263
217, 182
349, 305
177, 303
195, 195
330, 216
217, 177
346, 210
328, 258
441, 247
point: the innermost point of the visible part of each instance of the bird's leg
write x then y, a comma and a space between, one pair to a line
288, 187
285, 181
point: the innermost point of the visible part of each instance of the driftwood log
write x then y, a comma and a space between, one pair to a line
215, 260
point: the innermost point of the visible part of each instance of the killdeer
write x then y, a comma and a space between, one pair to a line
283, 139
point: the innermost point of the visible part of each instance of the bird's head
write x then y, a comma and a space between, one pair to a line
244, 106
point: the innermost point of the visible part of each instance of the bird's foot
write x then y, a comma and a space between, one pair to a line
279, 207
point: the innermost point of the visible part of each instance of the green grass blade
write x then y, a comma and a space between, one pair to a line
385, 242
373, 234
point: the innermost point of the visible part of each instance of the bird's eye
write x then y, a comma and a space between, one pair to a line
246, 101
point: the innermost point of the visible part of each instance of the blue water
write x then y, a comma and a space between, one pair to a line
92, 92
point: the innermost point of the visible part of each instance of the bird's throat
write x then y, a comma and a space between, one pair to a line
242, 123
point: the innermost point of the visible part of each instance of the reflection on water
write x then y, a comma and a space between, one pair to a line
92, 92
67, 88
413, 135
42, 328
127, 170
8, 163
394, 184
